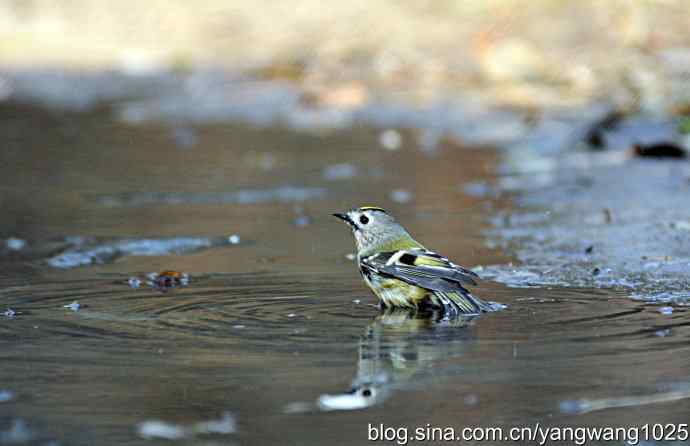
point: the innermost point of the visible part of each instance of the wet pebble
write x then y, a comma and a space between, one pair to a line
390, 140
6, 395
169, 431
234, 239
74, 306
666, 310
15, 244
160, 429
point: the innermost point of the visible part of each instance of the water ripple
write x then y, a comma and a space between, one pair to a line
217, 306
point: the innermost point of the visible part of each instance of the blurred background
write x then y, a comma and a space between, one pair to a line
543, 53
542, 143
566, 94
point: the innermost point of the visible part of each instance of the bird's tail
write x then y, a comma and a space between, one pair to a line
463, 302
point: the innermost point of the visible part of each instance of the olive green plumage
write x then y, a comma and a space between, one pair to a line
404, 274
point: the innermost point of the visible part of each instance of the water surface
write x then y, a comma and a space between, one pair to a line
276, 327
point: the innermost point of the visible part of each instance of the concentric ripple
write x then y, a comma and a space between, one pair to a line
257, 307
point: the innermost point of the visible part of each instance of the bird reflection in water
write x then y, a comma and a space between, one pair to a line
400, 350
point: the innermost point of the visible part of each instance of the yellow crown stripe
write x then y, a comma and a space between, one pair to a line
372, 208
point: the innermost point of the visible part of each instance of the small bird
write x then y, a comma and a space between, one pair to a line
403, 273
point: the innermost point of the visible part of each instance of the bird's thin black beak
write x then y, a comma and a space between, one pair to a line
346, 218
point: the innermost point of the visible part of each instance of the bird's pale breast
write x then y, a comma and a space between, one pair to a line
396, 293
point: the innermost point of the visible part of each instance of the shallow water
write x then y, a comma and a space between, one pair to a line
275, 329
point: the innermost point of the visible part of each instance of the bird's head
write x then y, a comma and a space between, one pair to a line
373, 228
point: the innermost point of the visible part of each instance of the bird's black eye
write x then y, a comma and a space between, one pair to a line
364, 219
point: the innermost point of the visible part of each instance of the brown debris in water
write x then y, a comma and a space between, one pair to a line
165, 280
162, 281
660, 150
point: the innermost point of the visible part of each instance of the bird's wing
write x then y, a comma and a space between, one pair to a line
420, 267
